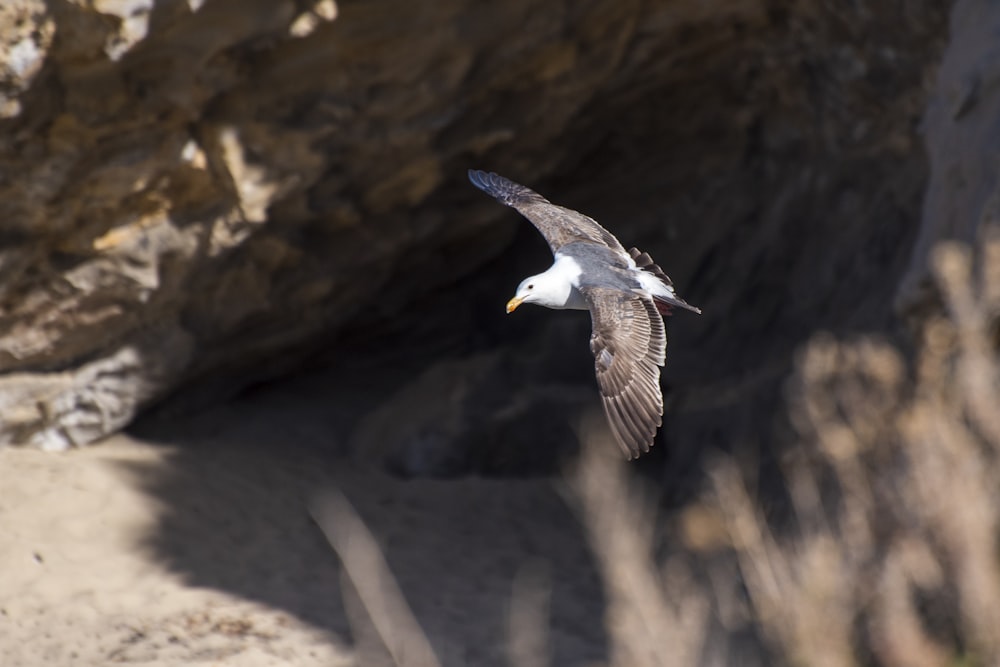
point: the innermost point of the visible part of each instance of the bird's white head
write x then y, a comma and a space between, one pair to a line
550, 289
525, 294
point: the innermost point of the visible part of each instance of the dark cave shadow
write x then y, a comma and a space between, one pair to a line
236, 492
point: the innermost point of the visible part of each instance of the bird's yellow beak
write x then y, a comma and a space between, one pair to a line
513, 304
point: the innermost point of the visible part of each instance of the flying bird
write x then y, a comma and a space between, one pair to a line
626, 294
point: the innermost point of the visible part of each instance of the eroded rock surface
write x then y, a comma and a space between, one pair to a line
197, 195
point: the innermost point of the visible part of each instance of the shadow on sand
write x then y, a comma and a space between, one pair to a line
243, 482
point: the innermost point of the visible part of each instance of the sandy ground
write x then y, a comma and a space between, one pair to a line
199, 542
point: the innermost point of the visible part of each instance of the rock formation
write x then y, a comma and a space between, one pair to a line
199, 195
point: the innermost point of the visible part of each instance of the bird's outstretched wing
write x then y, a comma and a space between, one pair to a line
558, 225
629, 344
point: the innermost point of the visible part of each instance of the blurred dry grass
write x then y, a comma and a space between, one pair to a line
890, 555
893, 557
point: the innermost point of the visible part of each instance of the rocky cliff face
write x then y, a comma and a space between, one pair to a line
197, 195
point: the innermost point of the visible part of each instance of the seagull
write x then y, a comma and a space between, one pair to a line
626, 293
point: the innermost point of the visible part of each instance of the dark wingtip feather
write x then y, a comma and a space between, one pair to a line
478, 178
502, 189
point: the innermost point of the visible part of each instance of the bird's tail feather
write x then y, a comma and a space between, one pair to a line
646, 263
664, 304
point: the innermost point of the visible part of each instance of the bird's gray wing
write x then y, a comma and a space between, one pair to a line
629, 344
558, 225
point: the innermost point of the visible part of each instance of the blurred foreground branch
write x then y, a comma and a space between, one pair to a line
652, 618
369, 573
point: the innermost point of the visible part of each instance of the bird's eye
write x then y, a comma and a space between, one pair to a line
531, 287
